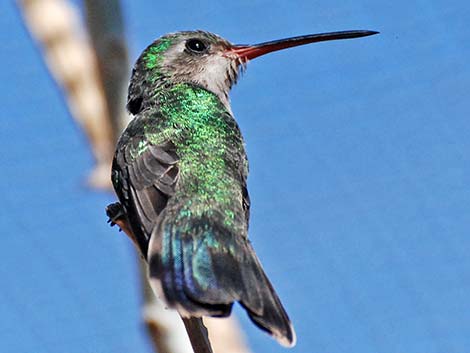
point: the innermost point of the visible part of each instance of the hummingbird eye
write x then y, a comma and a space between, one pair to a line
196, 46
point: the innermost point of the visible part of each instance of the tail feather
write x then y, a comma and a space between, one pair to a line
272, 317
173, 277
203, 268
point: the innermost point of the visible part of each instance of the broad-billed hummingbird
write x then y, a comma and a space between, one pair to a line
180, 172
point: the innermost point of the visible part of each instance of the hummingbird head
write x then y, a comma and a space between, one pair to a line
196, 57
206, 60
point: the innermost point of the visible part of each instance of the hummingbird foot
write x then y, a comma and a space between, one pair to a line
118, 216
115, 213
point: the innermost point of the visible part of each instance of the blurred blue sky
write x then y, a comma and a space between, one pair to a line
359, 181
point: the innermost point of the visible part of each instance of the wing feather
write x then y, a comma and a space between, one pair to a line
144, 183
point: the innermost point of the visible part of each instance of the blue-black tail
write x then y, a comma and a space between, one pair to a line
202, 268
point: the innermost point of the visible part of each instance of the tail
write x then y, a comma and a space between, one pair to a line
203, 268
267, 313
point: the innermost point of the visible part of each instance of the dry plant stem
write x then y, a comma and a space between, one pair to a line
107, 34
55, 26
197, 334
165, 327
195, 328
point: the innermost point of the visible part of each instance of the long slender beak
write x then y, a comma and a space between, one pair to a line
248, 52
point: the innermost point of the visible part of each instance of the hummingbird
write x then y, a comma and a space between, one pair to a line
180, 172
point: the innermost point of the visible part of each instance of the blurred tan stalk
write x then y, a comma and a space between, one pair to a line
70, 59
93, 75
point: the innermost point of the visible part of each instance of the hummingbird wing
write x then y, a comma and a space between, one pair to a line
144, 184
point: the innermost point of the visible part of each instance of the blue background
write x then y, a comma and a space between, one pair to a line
360, 175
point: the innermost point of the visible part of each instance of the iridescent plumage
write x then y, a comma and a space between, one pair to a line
180, 173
